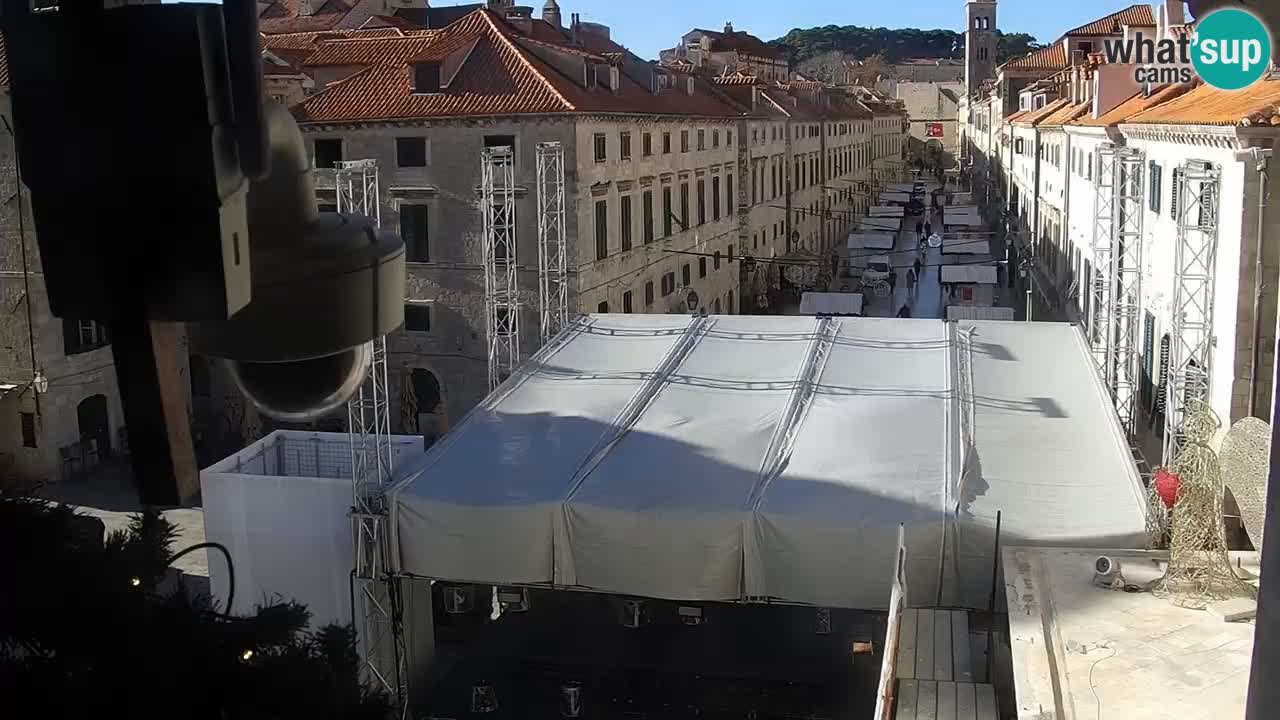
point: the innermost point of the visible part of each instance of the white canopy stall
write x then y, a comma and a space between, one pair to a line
895, 197
742, 457
961, 216
831, 303
886, 211
877, 241
977, 312
880, 224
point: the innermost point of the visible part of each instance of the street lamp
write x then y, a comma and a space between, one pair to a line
40, 382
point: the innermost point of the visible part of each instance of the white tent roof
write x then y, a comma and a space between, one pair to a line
893, 197
969, 274
886, 211
731, 457
900, 187
831, 303
962, 215
880, 223
881, 241
966, 244
978, 312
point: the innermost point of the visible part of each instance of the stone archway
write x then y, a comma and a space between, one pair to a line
429, 394
94, 423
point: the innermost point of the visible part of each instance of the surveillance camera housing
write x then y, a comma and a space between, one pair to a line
324, 286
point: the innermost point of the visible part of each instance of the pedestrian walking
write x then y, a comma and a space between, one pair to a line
893, 280
904, 312
928, 229
918, 267
911, 280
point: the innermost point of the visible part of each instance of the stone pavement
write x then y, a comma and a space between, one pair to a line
1084, 652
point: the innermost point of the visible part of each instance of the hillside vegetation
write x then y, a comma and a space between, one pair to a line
892, 44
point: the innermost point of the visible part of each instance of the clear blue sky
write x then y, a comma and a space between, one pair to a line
646, 26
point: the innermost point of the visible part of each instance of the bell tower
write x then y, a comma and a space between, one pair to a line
979, 43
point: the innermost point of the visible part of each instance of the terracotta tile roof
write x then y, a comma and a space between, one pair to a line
1065, 114
499, 77
376, 21
1011, 117
740, 41
1110, 25
1134, 105
1050, 57
735, 79
395, 50
1206, 105
1033, 117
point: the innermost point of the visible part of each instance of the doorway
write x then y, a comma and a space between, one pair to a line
94, 423
426, 389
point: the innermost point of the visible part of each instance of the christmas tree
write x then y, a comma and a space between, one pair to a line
85, 630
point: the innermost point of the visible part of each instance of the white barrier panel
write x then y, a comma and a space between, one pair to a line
281, 508
893, 631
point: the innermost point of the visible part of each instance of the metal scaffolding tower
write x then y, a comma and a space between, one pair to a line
1191, 334
1102, 284
1126, 253
553, 274
356, 188
502, 301
1117, 283
377, 603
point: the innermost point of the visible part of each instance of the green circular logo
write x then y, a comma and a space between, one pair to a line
1231, 49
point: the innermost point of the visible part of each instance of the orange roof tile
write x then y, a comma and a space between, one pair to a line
394, 50
499, 77
1134, 105
1110, 25
1033, 117
1065, 114
1015, 116
1207, 105
1050, 57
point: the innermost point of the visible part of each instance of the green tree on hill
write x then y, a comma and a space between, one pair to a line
893, 44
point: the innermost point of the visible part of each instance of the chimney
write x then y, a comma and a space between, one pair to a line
573, 30
755, 98
499, 5
520, 17
728, 28
306, 8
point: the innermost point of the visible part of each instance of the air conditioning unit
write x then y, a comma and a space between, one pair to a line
691, 616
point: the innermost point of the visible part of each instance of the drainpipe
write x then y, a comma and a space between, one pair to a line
1261, 158
26, 275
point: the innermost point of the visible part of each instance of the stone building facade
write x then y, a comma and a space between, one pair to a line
1036, 156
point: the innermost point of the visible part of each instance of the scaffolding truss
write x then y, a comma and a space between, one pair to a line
377, 604
1102, 284
1117, 282
356, 188
1186, 385
501, 288
553, 274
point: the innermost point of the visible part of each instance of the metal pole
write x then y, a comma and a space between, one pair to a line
1264, 692
1262, 157
1028, 298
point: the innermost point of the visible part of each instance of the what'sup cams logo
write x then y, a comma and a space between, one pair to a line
1229, 49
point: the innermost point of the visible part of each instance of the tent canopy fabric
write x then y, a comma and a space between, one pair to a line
877, 240
978, 312
880, 224
886, 211
831, 303
733, 458
969, 274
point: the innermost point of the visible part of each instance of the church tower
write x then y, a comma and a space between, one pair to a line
979, 43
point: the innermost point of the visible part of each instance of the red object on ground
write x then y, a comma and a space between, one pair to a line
1167, 487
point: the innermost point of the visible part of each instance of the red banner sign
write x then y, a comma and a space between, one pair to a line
933, 130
